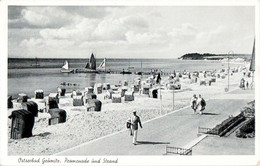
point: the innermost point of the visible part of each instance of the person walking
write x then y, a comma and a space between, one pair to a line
128, 126
242, 84
201, 104
193, 103
135, 120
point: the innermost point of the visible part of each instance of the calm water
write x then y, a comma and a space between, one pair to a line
24, 78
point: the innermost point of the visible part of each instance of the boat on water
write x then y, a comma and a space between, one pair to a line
36, 64
90, 66
126, 72
102, 67
65, 68
92, 63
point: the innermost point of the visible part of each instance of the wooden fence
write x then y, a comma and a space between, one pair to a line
177, 150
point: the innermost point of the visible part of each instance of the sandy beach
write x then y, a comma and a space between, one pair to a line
82, 126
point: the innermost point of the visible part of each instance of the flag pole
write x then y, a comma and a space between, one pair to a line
160, 95
105, 64
173, 99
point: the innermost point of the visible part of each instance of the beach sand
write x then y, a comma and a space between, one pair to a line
82, 126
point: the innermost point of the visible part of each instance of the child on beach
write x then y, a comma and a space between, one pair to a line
194, 103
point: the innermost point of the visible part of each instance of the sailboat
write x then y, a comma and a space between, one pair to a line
92, 63
65, 68
90, 66
36, 64
102, 66
140, 72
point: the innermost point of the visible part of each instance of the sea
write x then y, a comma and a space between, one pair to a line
25, 77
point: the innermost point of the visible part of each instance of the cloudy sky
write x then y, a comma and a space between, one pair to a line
128, 32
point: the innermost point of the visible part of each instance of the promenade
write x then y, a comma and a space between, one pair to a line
177, 129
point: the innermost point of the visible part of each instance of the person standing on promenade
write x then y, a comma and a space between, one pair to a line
193, 103
135, 120
128, 125
201, 104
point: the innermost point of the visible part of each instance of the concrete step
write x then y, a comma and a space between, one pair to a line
195, 141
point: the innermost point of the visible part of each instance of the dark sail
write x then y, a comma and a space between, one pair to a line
92, 62
87, 66
252, 65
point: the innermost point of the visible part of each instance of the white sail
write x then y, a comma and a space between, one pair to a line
102, 65
66, 65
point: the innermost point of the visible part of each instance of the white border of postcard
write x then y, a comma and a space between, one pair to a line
125, 160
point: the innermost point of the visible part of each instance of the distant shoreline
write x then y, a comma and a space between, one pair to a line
207, 56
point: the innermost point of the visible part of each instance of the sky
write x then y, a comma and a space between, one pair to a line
128, 32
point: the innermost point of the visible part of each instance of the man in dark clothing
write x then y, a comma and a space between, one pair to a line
193, 103
134, 121
201, 104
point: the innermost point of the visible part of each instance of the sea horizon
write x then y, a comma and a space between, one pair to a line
25, 77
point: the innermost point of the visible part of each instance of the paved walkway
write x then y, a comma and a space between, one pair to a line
176, 129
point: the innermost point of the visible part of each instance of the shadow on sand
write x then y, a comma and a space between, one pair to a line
43, 134
208, 113
153, 143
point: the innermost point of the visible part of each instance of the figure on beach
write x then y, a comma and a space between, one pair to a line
135, 120
251, 84
158, 80
201, 104
128, 126
242, 84
193, 103
59, 91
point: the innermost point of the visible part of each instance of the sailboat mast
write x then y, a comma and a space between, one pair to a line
141, 67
